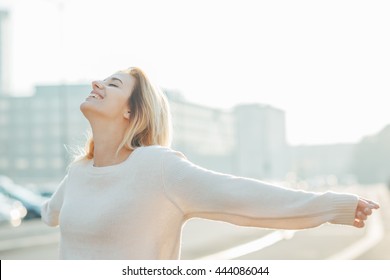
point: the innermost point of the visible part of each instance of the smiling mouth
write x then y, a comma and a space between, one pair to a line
95, 95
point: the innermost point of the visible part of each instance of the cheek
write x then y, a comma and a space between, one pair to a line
116, 105
111, 107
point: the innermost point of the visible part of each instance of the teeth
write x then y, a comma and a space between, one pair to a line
94, 95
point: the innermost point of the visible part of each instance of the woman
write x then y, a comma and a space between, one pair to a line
129, 195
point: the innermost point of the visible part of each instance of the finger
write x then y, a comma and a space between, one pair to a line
363, 203
361, 216
371, 204
367, 211
375, 205
358, 223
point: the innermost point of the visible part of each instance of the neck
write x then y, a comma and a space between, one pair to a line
107, 139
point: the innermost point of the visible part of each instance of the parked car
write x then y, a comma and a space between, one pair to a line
30, 200
11, 211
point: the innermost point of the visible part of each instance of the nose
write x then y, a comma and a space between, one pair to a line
97, 85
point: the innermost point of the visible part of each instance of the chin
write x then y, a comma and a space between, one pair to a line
86, 109
91, 111
83, 106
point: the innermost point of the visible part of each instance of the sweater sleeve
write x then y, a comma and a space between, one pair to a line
51, 208
199, 192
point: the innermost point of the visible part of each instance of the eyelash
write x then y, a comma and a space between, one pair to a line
112, 85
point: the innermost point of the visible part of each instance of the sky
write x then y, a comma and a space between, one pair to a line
325, 63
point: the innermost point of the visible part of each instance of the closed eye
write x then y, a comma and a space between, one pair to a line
112, 85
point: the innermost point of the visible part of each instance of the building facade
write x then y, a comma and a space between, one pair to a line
205, 135
37, 131
4, 52
260, 138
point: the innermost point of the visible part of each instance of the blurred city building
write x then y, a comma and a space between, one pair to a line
260, 142
321, 163
4, 52
34, 130
39, 132
205, 135
371, 158
366, 161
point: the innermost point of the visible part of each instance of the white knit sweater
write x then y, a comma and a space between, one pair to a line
136, 209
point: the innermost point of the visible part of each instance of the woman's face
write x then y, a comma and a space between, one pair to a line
109, 98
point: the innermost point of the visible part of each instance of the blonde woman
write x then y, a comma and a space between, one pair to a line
129, 195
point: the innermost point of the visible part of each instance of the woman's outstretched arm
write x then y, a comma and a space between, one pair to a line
199, 192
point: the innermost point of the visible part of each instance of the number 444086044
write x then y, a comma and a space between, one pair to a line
242, 270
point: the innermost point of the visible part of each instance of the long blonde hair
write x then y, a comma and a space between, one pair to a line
150, 118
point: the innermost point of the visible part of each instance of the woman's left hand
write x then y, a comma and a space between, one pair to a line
363, 210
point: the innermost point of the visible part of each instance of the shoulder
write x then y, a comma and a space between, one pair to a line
158, 158
78, 165
157, 152
155, 159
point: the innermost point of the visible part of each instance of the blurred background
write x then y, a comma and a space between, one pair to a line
291, 92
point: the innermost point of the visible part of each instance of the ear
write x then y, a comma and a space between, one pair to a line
126, 115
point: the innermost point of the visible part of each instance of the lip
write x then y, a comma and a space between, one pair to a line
97, 93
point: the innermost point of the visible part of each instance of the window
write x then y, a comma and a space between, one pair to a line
4, 163
4, 105
38, 117
3, 119
38, 148
37, 104
21, 163
54, 130
40, 163
37, 133
57, 163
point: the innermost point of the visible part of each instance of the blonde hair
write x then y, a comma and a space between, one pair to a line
150, 118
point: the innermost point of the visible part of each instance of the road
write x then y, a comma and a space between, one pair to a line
203, 239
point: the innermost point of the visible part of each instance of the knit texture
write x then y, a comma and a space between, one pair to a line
136, 209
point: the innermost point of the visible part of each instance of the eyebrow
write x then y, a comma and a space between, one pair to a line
114, 79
